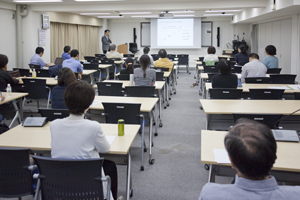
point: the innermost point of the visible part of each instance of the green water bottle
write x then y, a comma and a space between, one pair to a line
121, 127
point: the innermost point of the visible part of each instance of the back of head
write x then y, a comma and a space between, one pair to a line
78, 97
3, 61
146, 50
39, 50
129, 65
162, 53
112, 47
243, 48
74, 53
211, 50
252, 148
65, 77
271, 50
254, 56
144, 63
224, 67
67, 49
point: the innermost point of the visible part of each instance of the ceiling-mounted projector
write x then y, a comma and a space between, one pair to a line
166, 15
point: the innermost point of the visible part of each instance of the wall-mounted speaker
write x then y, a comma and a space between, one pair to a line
218, 36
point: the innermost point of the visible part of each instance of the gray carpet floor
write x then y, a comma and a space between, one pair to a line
177, 172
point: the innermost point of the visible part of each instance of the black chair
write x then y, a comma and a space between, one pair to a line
160, 76
183, 59
100, 56
128, 55
112, 68
95, 61
268, 119
32, 66
130, 112
155, 57
283, 78
133, 48
237, 70
88, 58
71, 178
297, 95
59, 61
124, 77
210, 69
109, 89
36, 89
171, 56
136, 66
201, 59
42, 73
140, 91
225, 93
23, 72
274, 70
258, 80
232, 59
210, 77
266, 93
15, 176
53, 114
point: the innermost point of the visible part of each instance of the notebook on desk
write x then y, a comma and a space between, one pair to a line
35, 121
285, 135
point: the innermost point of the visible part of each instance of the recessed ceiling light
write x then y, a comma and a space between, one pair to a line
109, 16
178, 12
36, 1
145, 16
222, 10
95, 13
134, 13
184, 15
217, 14
98, 0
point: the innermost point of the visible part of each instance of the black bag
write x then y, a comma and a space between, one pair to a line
3, 128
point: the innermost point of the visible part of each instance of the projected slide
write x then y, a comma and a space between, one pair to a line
175, 32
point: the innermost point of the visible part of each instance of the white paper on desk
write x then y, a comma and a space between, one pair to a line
294, 87
280, 87
95, 102
110, 138
221, 156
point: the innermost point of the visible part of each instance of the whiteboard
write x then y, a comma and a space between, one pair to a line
206, 34
145, 34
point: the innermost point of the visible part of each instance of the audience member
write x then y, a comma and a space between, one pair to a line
225, 79
211, 58
143, 76
67, 52
254, 68
242, 57
73, 63
37, 58
163, 61
113, 53
146, 51
129, 63
6, 77
270, 61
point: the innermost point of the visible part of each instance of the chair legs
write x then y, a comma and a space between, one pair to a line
143, 145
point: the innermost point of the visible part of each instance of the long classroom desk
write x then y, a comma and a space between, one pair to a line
286, 167
38, 139
217, 111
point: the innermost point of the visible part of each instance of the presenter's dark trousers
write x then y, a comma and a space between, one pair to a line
110, 169
104, 51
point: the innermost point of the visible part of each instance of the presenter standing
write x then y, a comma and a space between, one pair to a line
105, 41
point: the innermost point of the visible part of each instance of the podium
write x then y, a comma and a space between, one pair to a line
123, 48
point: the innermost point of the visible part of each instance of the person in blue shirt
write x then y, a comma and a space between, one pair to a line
271, 61
37, 58
66, 54
73, 63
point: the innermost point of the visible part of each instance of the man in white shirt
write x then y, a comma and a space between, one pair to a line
113, 53
254, 68
146, 51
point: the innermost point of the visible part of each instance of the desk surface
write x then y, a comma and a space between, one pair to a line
49, 80
167, 74
39, 138
147, 103
158, 84
286, 158
14, 96
216, 106
88, 72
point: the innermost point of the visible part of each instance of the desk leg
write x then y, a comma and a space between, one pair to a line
151, 160
92, 78
159, 110
17, 115
107, 73
129, 181
211, 176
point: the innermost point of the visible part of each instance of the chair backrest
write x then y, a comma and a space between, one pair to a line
266, 93
232, 59
109, 89
53, 114
297, 95
210, 69
171, 56
42, 73
32, 66
36, 88
130, 112
23, 72
128, 55
91, 66
15, 178
163, 69
201, 59
133, 47
140, 91
236, 70
160, 76
3, 86
95, 61
136, 66
225, 93
155, 57
274, 70
268, 119
283, 78
108, 61
183, 59
70, 179
59, 61
88, 58
210, 77
124, 77
258, 80
100, 56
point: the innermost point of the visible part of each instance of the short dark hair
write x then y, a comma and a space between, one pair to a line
211, 50
74, 53
252, 148
129, 65
243, 48
78, 97
146, 50
65, 77
271, 50
162, 53
254, 55
67, 49
3, 61
106, 30
39, 50
144, 63
112, 47
224, 67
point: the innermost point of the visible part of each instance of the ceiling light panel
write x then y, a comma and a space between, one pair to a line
36, 1
95, 13
109, 16
217, 14
222, 10
134, 13
145, 16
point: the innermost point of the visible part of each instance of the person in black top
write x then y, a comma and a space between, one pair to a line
5, 77
225, 79
129, 67
242, 57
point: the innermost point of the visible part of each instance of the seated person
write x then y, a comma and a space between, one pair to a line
146, 51
65, 78
270, 61
6, 77
66, 54
211, 58
225, 79
113, 53
143, 76
129, 67
77, 138
37, 60
242, 57
163, 61
254, 68
251, 149
73, 63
